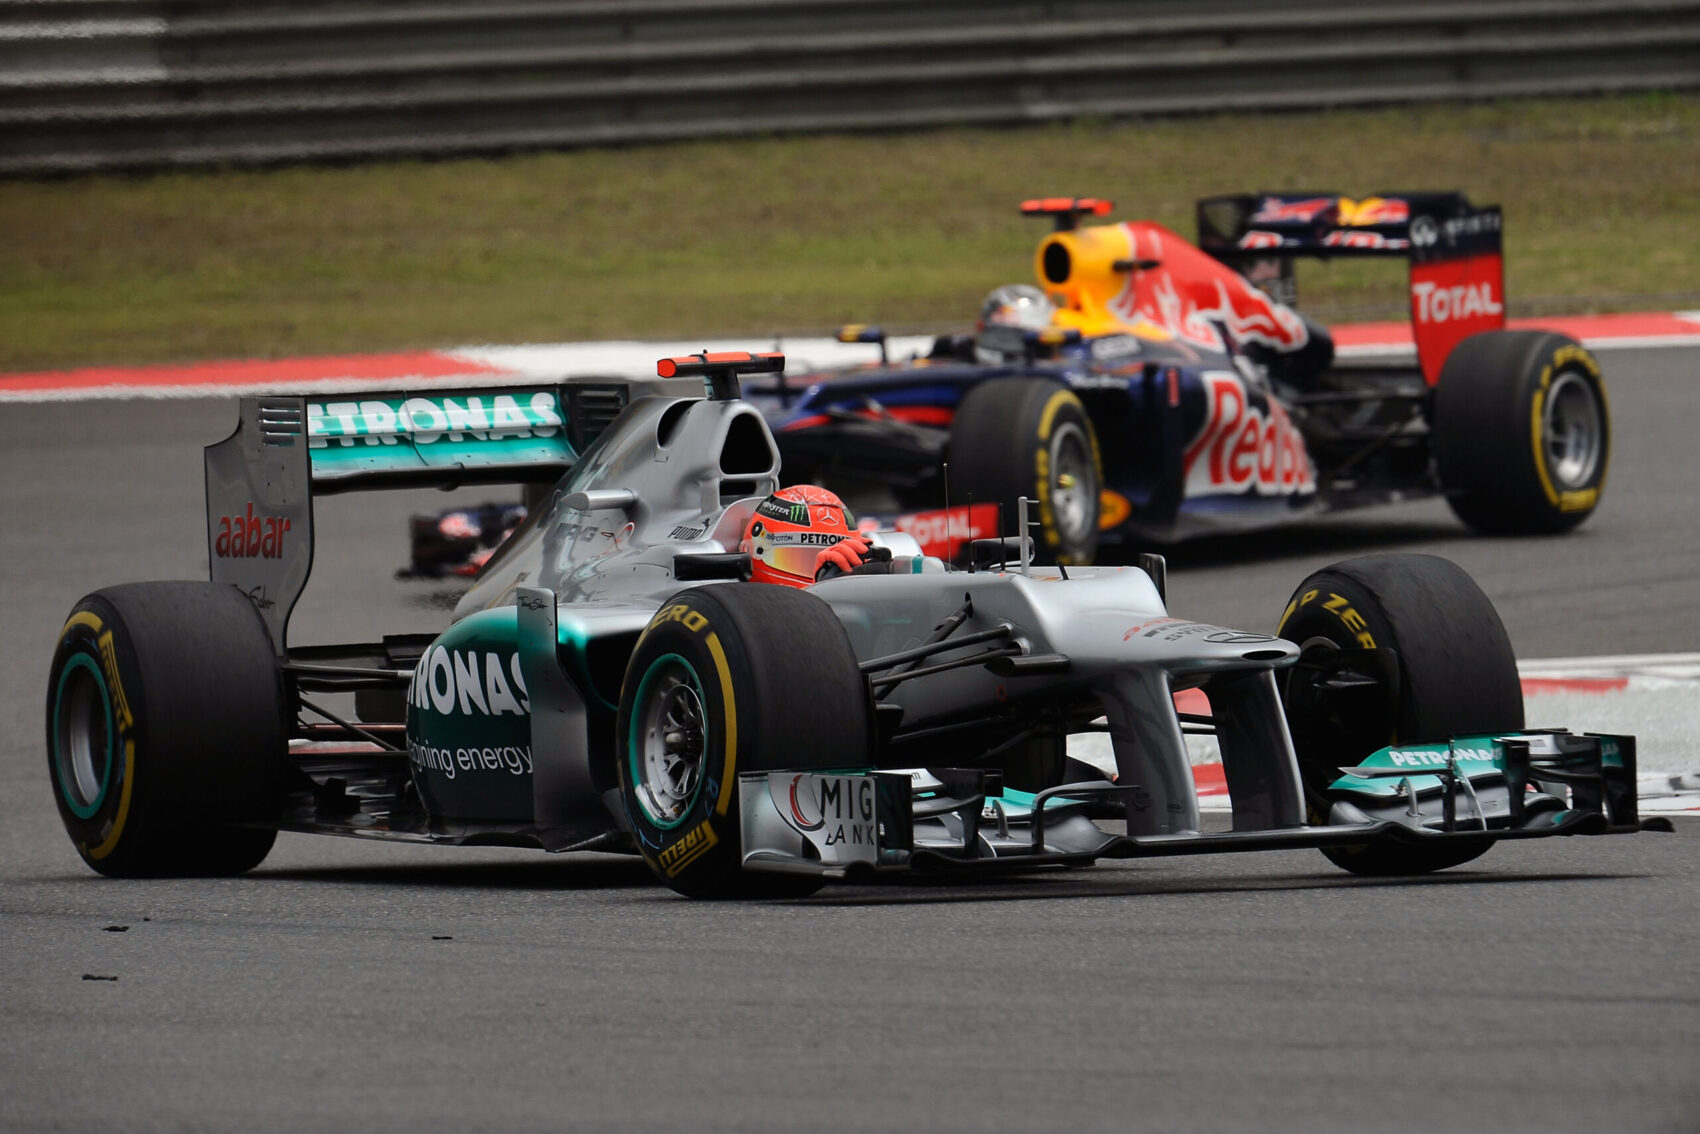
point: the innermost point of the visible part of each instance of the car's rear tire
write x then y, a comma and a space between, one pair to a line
166, 730
1522, 432
1014, 437
728, 679
1454, 673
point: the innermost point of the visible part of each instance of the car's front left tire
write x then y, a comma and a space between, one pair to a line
730, 678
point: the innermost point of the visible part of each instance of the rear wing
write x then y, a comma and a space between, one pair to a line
261, 480
1457, 276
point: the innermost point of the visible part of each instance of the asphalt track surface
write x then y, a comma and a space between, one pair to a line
1548, 986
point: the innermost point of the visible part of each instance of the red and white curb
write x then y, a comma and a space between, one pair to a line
1597, 332
499, 365
1652, 697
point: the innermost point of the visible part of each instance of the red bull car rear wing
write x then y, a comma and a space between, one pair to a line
261, 480
1457, 275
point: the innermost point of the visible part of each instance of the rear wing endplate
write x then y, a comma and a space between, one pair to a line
261, 480
1457, 276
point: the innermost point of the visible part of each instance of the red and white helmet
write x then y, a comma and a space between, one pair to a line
789, 531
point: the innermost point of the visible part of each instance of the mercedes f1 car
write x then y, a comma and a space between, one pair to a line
1167, 390
612, 682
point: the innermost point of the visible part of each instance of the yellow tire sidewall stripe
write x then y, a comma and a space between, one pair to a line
729, 776
91, 621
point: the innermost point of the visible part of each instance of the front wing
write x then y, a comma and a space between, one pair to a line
861, 822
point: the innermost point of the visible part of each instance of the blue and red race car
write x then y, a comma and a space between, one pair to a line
1150, 389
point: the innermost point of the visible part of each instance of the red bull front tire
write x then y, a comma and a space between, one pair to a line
1522, 432
1015, 437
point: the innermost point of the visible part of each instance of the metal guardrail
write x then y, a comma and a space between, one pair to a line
107, 84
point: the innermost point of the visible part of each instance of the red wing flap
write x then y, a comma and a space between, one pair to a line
1452, 300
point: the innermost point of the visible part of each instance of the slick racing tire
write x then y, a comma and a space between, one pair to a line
1451, 671
726, 679
1522, 432
1031, 437
165, 730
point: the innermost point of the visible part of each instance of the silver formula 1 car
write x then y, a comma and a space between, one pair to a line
611, 681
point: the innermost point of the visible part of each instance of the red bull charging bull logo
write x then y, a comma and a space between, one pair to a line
1193, 296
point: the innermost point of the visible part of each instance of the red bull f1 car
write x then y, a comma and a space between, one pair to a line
614, 681
1149, 389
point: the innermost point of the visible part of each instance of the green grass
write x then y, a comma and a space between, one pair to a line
795, 234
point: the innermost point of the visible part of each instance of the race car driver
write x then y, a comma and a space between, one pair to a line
1000, 334
1008, 313
803, 534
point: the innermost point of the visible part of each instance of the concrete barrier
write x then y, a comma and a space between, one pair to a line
105, 84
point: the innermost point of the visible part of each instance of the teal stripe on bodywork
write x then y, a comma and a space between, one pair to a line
480, 429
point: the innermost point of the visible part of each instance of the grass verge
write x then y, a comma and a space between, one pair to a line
795, 234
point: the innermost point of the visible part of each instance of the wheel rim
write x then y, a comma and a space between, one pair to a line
1572, 431
82, 736
668, 742
1073, 485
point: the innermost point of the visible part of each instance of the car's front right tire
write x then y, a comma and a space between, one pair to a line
1453, 672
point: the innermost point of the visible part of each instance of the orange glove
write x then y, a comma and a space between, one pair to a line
841, 558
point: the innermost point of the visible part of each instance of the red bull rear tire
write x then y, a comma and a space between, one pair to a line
1522, 432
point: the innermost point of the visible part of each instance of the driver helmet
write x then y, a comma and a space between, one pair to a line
1006, 316
789, 531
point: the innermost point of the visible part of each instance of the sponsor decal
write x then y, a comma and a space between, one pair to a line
775, 509
694, 620
1374, 210
427, 420
802, 539
465, 682
1436, 304
1453, 229
512, 760
1145, 626
121, 714
1178, 630
698, 841
945, 532
572, 533
1437, 760
1340, 239
835, 813
1277, 210
247, 536
1338, 606
1262, 238
1237, 638
1451, 300
1110, 348
1243, 448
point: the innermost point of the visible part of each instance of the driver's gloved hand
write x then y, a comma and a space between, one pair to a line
851, 555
